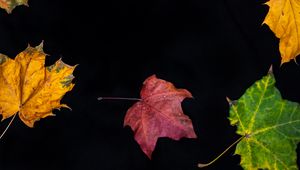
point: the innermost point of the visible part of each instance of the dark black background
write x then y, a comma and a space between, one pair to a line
212, 48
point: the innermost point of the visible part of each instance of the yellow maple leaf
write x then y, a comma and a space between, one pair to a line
31, 90
9, 5
283, 19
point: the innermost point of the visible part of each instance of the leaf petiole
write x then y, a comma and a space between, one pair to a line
200, 165
118, 98
12, 119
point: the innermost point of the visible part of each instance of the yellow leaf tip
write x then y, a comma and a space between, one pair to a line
40, 47
3, 118
60, 61
266, 3
3, 58
295, 60
283, 61
29, 124
65, 106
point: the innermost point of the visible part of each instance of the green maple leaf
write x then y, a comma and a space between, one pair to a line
270, 124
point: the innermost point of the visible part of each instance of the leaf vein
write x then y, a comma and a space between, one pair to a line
269, 151
273, 127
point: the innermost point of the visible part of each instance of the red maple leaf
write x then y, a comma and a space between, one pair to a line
159, 114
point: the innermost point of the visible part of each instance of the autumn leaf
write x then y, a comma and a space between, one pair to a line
159, 114
283, 19
30, 89
270, 124
9, 5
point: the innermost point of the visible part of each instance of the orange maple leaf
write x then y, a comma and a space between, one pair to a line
9, 5
30, 89
283, 19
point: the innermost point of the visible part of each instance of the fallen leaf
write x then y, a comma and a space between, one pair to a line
270, 124
283, 19
9, 5
30, 89
159, 114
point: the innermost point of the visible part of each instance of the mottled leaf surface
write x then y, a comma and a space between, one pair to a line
30, 89
270, 124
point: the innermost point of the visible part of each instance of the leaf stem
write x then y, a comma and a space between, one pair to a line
118, 98
12, 119
200, 165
